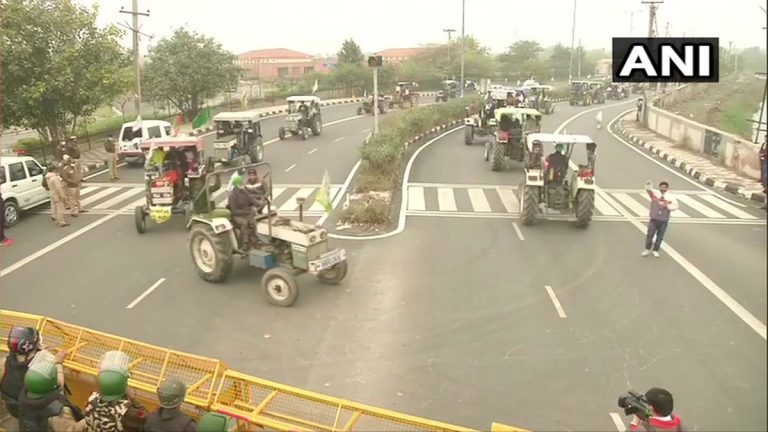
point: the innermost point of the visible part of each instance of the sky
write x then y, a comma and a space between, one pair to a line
319, 27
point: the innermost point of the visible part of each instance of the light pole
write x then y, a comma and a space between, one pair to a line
450, 61
573, 39
134, 12
462, 49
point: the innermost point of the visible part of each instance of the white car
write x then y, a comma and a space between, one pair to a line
23, 188
129, 145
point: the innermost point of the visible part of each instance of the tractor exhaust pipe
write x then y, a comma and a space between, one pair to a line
301, 201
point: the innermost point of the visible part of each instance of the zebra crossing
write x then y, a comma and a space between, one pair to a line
501, 201
108, 198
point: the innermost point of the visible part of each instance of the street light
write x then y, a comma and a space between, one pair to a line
573, 38
461, 92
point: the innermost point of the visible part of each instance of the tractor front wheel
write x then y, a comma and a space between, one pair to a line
529, 204
140, 218
469, 135
211, 253
280, 287
257, 151
281, 133
333, 275
585, 207
317, 126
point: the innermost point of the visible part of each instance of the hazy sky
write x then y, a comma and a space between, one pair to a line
320, 26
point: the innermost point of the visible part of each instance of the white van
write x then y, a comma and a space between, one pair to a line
129, 144
23, 187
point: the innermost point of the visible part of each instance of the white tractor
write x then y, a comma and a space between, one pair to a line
554, 185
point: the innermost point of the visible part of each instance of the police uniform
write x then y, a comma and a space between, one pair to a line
111, 410
58, 194
73, 178
169, 418
43, 406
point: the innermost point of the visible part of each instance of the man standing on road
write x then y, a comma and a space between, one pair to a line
73, 179
4, 241
662, 419
662, 205
58, 195
109, 147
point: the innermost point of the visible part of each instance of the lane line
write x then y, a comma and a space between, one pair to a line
290, 168
118, 199
145, 293
339, 139
727, 207
677, 213
291, 204
445, 199
637, 208
86, 190
618, 422
518, 231
699, 207
509, 199
479, 201
462, 185
555, 301
313, 150
604, 208
416, 198
98, 195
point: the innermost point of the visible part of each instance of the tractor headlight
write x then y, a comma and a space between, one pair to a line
312, 239
323, 235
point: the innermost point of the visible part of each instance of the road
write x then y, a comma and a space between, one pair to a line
452, 319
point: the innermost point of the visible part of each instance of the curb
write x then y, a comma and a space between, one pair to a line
432, 132
701, 177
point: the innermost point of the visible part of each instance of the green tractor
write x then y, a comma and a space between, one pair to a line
581, 93
285, 248
508, 143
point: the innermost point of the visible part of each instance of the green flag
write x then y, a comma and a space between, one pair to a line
323, 196
202, 118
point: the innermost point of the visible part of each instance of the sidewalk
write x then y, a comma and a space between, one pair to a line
697, 166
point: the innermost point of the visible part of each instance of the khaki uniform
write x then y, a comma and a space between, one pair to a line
72, 180
58, 198
111, 158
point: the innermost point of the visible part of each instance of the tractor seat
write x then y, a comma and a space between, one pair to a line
221, 212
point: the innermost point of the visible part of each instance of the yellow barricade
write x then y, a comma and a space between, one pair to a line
211, 386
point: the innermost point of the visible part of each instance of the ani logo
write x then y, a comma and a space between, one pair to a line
666, 60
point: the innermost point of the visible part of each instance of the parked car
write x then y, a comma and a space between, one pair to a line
23, 187
129, 146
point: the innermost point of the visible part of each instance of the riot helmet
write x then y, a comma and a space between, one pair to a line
215, 422
171, 393
113, 375
23, 340
42, 376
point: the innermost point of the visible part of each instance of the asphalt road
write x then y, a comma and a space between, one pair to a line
452, 318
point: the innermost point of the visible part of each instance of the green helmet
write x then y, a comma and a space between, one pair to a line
171, 393
113, 375
215, 422
41, 378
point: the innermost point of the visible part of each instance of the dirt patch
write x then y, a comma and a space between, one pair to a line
726, 105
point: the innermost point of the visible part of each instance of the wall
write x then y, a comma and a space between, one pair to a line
735, 152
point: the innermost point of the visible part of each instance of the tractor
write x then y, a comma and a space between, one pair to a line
508, 143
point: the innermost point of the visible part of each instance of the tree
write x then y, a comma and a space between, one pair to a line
58, 67
434, 63
188, 68
559, 61
752, 59
350, 53
518, 54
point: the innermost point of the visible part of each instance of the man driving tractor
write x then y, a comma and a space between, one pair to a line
557, 163
256, 189
239, 203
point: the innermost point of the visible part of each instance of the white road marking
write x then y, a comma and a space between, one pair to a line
317, 207
463, 185
445, 199
637, 208
118, 199
102, 171
133, 205
339, 139
291, 204
618, 422
313, 150
86, 190
416, 198
290, 167
145, 293
97, 196
727, 207
518, 231
676, 213
509, 199
29, 258
604, 208
366, 130
479, 201
555, 301
699, 207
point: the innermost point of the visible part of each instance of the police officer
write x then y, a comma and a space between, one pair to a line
42, 405
73, 179
112, 408
169, 418
58, 193
23, 344
215, 422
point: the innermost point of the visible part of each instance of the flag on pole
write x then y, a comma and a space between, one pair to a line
244, 99
323, 196
202, 118
137, 123
314, 87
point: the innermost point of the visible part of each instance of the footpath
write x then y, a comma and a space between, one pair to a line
694, 165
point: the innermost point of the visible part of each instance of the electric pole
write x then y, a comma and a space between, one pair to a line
462, 49
578, 60
136, 56
652, 7
573, 38
450, 60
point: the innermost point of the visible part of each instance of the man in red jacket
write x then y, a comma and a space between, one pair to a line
662, 419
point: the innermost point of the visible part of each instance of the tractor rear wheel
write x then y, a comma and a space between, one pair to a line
529, 204
469, 135
281, 133
280, 287
317, 126
585, 206
256, 152
497, 157
211, 253
333, 275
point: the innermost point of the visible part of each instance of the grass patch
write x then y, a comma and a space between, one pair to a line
726, 105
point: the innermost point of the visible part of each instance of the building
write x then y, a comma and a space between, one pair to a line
398, 55
603, 67
280, 63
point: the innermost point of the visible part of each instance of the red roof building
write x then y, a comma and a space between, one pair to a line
279, 63
398, 55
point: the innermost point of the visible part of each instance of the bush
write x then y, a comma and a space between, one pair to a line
371, 213
28, 144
